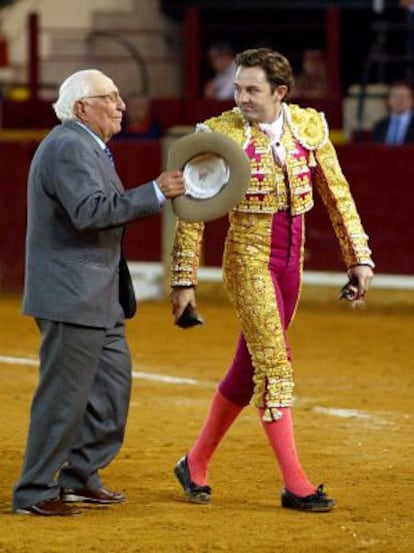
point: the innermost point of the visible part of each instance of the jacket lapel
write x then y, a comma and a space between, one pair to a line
92, 143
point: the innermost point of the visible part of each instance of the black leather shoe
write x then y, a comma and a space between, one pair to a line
317, 502
49, 508
194, 492
102, 496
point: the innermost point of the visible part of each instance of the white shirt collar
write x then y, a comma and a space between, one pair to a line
95, 136
273, 130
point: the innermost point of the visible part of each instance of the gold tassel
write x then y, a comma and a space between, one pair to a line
271, 414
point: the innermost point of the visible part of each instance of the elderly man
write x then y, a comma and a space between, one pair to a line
76, 288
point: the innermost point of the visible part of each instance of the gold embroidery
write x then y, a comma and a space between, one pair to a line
247, 279
308, 126
334, 191
186, 253
249, 286
272, 186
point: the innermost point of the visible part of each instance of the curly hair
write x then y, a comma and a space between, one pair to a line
277, 68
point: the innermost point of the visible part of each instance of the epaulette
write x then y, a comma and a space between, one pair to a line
307, 125
231, 123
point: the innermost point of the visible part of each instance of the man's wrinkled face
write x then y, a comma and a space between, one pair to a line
253, 95
102, 110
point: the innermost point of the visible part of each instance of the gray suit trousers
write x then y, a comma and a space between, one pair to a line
78, 412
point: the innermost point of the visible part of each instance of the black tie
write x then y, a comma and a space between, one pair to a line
109, 155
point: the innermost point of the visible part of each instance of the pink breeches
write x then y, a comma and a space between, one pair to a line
284, 264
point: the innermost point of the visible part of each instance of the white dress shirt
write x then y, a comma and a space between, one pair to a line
274, 132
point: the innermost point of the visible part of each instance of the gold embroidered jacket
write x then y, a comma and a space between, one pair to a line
311, 161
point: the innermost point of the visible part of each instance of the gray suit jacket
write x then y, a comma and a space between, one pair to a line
77, 209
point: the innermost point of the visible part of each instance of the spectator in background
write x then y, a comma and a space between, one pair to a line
398, 126
221, 59
139, 122
312, 81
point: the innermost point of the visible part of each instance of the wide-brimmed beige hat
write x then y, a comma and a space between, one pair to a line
216, 172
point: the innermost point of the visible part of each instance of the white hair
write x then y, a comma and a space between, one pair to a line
74, 88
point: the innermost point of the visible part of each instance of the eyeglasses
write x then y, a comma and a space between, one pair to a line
110, 97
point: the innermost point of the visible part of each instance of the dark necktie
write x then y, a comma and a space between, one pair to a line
109, 155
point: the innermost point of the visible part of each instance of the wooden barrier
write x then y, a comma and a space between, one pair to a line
381, 180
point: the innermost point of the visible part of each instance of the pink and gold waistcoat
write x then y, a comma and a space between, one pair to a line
273, 188
310, 158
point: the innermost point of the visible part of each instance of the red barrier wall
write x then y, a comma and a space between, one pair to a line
136, 163
14, 161
381, 180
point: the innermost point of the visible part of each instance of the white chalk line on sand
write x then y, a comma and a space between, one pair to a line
142, 375
167, 379
342, 413
8, 360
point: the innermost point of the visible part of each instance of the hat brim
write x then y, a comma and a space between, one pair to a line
186, 148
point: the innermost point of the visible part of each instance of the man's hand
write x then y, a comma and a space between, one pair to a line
180, 298
171, 183
362, 274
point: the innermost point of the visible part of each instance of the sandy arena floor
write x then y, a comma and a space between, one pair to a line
354, 430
